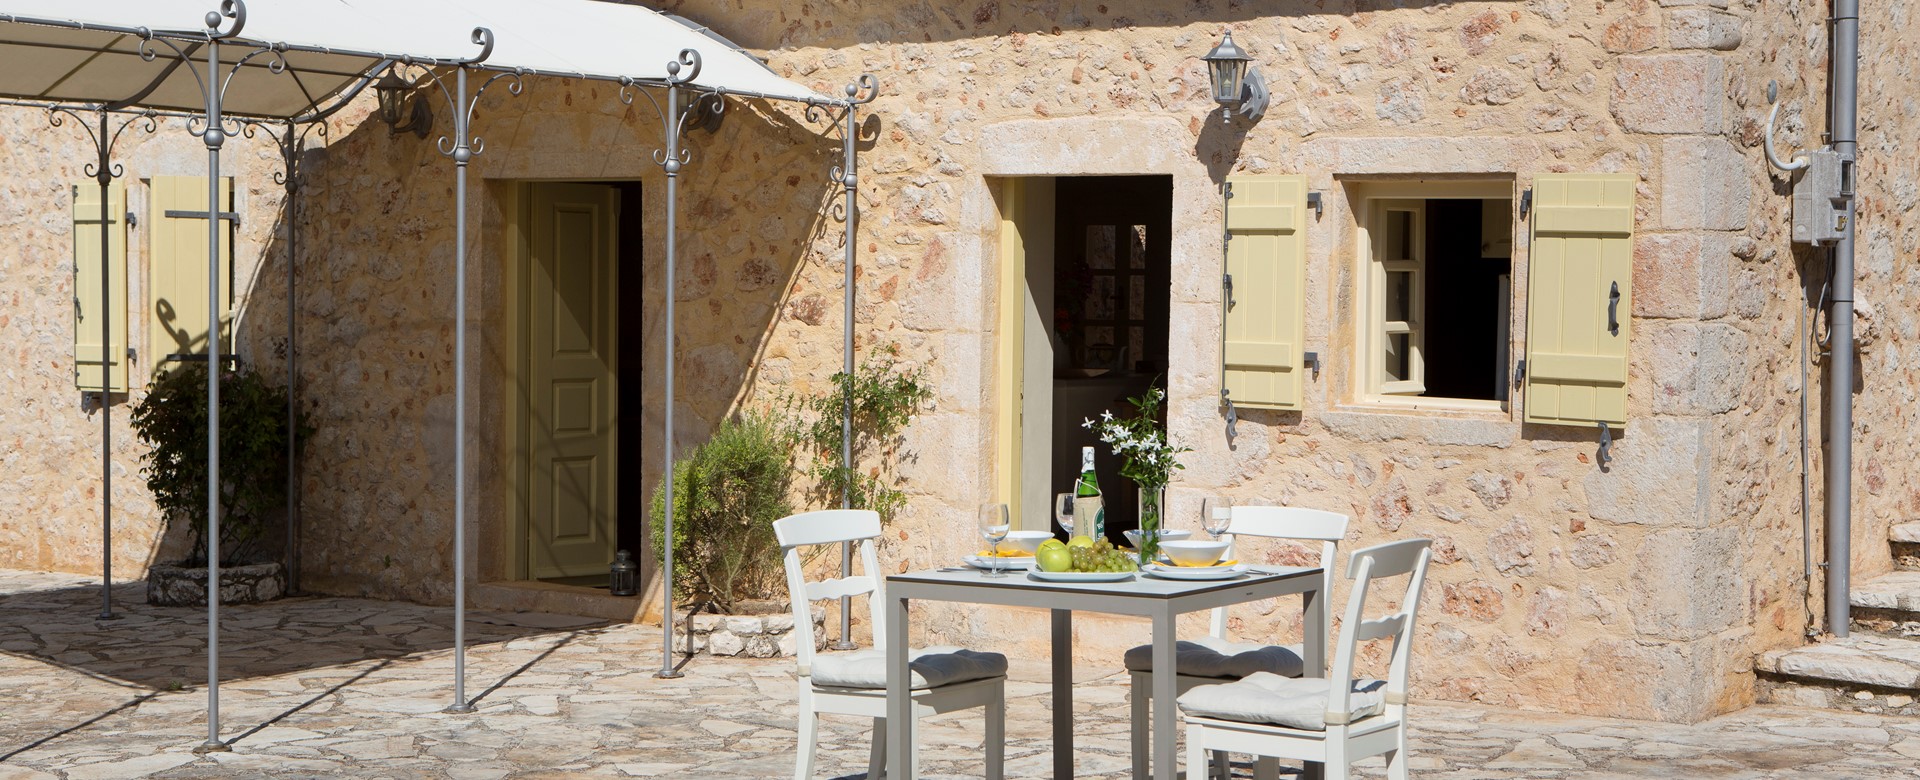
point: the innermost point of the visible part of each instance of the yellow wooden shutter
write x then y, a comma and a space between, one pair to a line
1265, 319
1580, 299
177, 269
90, 308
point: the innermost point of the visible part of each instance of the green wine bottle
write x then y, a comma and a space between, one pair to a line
1089, 507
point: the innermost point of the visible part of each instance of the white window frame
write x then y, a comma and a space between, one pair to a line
1372, 202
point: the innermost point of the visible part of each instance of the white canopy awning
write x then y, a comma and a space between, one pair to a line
90, 52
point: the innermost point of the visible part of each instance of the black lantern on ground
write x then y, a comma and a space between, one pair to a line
624, 575
1236, 85
399, 109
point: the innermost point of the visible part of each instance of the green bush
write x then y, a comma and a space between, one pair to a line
172, 420
886, 395
726, 495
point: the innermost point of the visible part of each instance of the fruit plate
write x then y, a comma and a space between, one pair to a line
1079, 576
1195, 572
1006, 564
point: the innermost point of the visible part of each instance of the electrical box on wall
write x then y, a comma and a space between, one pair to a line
1822, 198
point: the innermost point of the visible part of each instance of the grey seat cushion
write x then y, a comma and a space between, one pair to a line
1299, 703
1211, 656
931, 667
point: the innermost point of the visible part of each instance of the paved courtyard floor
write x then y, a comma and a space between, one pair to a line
333, 687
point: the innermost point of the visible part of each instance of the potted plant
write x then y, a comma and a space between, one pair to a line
1148, 458
172, 421
727, 493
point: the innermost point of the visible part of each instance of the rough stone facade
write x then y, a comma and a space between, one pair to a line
1643, 590
749, 636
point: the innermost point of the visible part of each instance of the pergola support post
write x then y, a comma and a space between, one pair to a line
670, 161
215, 136
103, 174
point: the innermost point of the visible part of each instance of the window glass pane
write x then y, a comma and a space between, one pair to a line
1399, 235
1100, 298
1137, 298
1396, 362
1399, 296
1138, 257
1100, 245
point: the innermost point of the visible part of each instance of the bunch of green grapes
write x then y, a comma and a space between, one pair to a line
1101, 556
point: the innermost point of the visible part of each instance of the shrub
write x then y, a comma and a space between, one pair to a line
886, 394
172, 420
726, 495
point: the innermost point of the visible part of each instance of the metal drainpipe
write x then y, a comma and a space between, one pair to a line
1844, 122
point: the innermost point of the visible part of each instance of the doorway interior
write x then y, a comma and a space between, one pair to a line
579, 448
1093, 281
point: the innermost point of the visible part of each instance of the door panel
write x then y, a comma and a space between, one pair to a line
572, 422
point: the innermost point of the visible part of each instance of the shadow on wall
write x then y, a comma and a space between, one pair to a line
844, 25
759, 252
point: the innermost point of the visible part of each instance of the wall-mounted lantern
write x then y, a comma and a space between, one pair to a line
1237, 85
399, 108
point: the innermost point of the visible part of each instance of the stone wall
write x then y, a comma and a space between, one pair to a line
1642, 590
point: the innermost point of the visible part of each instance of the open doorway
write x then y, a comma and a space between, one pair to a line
1088, 269
579, 454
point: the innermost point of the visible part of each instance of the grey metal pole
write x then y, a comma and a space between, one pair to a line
104, 175
462, 154
290, 159
215, 137
848, 179
672, 167
1845, 121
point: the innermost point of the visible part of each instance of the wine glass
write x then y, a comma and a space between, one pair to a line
1063, 512
1216, 513
994, 528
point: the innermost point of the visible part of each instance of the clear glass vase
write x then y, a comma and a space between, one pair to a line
1153, 500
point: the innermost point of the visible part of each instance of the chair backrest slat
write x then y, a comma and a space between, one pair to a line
1289, 522
831, 526
837, 587
1369, 630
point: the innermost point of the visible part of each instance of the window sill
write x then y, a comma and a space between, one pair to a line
1457, 407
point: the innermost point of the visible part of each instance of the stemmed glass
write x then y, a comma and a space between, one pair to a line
1216, 513
1063, 512
994, 528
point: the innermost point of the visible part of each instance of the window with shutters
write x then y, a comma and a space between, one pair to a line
1435, 292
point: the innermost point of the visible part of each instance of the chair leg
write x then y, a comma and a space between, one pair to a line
877, 756
1223, 765
1139, 696
1338, 766
1196, 755
997, 734
1397, 757
1266, 768
809, 733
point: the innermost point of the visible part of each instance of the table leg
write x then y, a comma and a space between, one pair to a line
1165, 695
1313, 637
899, 714
1062, 694
1313, 632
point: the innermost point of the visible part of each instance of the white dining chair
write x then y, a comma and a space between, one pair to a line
1214, 658
1335, 720
945, 679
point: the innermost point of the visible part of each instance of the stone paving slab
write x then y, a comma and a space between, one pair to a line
333, 687
1862, 659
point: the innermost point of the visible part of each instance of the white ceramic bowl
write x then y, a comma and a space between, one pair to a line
1166, 535
1194, 553
1027, 542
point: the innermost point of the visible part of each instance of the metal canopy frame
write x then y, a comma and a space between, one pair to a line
224, 28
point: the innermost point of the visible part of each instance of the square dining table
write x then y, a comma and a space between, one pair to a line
1161, 600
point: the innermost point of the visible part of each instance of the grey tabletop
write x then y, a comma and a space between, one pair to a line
1140, 584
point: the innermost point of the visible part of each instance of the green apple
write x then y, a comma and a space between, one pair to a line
1080, 541
1055, 558
1051, 543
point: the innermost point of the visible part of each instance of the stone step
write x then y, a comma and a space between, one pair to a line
1888, 604
1864, 673
1906, 546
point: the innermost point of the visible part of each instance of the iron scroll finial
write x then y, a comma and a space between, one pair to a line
482, 37
229, 9
689, 61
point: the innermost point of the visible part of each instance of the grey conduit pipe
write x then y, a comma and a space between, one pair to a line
1844, 121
